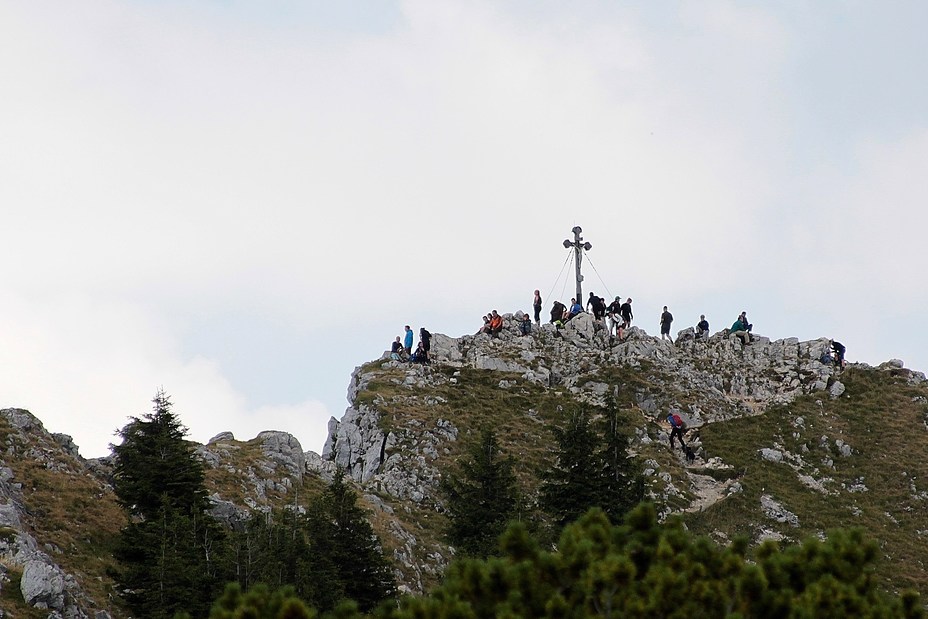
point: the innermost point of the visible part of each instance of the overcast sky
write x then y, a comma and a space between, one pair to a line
242, 201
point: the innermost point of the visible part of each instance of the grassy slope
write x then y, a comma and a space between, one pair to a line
883, 419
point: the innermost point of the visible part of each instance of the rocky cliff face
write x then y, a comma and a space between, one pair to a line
405, 421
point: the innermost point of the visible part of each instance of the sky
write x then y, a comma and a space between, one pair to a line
240, 202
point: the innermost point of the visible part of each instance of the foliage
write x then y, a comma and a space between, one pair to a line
645, 569
170, 551
480, 499
326, 556
260, 603
592, 469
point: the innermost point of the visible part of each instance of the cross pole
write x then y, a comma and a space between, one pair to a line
579, 247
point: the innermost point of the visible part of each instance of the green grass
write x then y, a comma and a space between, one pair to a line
879, 419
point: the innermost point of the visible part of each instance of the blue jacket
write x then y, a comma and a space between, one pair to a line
408, 341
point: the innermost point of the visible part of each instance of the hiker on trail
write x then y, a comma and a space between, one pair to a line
598, 306
496, 324
612, 315
626, 311
739, 329
666, 319
536, 305
575, 308
525, 326
397, 351
839, 350
408, 342
677, 429
557, 312
702, 327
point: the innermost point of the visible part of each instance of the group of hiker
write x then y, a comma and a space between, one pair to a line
401, 350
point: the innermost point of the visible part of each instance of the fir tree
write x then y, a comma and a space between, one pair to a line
170, 552
341, 536
481, 499
573, 483
622, 484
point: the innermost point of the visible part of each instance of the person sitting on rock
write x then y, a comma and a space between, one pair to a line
486, 325
839, 351
525, 326
421, 355
702, 327
575, 308
744, 320
738, 328
397, 351
677, 429
496, 324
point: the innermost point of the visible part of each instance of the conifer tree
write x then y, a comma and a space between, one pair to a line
347, 550
481, 499
622, 484
170, 552
572, 484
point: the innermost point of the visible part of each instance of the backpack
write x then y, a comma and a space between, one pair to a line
678, 422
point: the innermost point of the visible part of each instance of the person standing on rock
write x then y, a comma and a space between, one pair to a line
408, 342
626, 311
666, 319
557, 312
425, 339
702, 327
536, 305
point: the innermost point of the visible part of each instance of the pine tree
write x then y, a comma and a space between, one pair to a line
573, 482
592, 469
348, 550
481, 499
170, 552
622, 484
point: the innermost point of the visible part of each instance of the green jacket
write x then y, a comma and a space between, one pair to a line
738, 326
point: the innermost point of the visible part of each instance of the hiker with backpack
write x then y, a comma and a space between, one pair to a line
677, 429
557, 312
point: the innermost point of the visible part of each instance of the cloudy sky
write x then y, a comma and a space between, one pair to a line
239, 202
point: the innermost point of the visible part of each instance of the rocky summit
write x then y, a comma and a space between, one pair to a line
785, 447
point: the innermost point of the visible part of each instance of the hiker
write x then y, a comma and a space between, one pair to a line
486, 325
612, 315
702, 327
575, 308
525, 326
598, 306
408, 342
738, 328
425, 341
677, 428
536, 305
666, 319
397, 351
839, 350
496, 324
557, 312
744, 321
626, 311
421, 355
